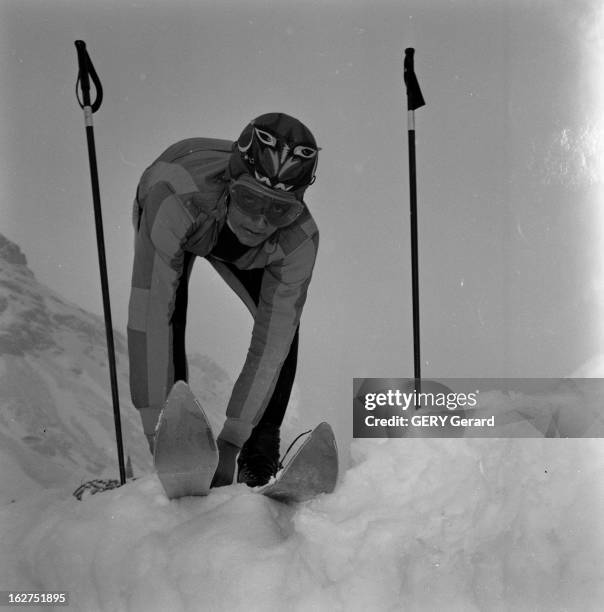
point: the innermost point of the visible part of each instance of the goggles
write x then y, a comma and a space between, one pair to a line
279, 208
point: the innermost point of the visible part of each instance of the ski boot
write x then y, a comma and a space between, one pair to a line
258, 460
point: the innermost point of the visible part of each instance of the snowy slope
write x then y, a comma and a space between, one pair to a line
56, 414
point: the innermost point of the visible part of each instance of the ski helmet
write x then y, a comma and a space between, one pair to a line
278, 151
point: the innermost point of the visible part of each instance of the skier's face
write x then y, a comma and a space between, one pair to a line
250, 230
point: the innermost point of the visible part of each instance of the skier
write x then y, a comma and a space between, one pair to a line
240, 206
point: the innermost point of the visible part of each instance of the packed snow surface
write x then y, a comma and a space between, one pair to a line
423, 524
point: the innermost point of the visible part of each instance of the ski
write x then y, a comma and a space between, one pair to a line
186, 457
311, 471
186, 454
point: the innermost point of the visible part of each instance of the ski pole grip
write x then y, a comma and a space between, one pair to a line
86, 72
414, 95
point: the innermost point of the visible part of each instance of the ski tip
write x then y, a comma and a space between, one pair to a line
323, 428
180, 391
180, 386
325, 432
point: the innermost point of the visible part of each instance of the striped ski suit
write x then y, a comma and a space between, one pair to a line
179, 212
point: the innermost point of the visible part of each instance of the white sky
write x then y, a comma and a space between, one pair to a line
509, 151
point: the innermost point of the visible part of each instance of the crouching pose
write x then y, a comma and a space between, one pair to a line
240, 206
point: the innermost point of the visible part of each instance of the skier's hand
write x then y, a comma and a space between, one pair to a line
227, 455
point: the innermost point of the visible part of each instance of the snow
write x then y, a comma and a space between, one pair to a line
413, 525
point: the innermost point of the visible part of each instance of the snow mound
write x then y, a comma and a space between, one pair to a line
414, 525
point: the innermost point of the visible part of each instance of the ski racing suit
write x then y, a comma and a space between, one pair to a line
180, 213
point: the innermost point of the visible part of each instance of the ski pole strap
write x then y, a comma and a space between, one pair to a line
86, 72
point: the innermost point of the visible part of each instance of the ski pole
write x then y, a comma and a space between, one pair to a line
414, 100
86, 72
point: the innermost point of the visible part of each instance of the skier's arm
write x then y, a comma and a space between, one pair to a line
282, 298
